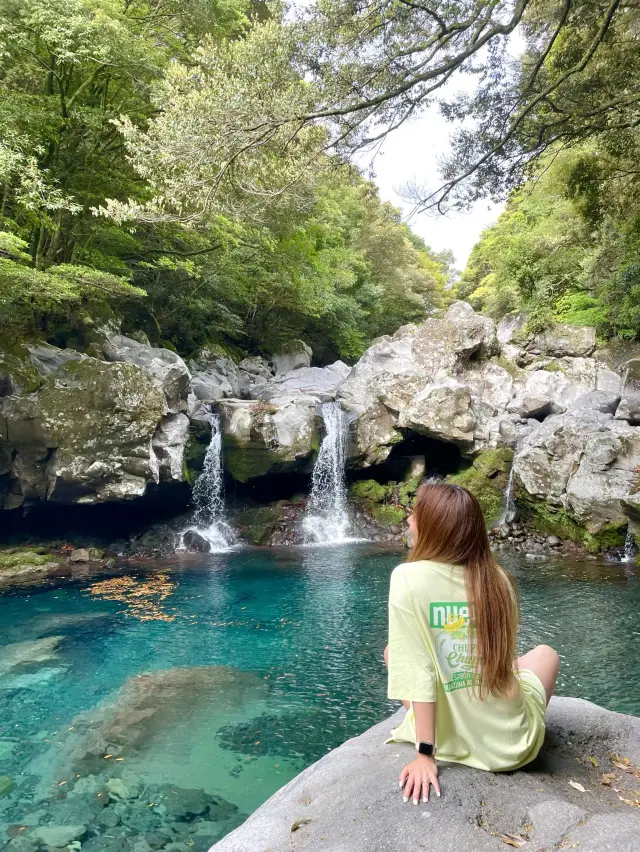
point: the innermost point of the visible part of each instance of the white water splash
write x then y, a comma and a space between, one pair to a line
327, 519
509, 512
208, 497
629, 554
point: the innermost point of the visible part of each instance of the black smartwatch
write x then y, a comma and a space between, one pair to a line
428, 749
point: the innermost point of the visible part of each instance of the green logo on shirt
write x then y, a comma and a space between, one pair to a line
449, 615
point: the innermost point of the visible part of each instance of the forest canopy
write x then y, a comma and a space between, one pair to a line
188, 166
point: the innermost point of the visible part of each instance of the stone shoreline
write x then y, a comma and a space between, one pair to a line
583, 791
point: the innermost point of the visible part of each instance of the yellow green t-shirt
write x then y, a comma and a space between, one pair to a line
431, 658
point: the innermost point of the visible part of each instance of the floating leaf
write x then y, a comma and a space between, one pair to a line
594, 760
577, 786
513, 840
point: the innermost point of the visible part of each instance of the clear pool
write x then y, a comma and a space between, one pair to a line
261, 661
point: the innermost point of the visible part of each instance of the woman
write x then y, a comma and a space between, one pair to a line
453, 618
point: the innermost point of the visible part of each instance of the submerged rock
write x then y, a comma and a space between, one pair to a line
58, 836
147, 706
478, 811
23, 653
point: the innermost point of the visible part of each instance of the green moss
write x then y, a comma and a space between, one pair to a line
487, 479
19, 370
407, 491
15, 558
389, 515
245, 463
553, 367
258, 524
514, 371
368, 492
557, 521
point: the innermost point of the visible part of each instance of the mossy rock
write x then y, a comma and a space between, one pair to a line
389, 515
14, 559
257, 525
554, 520
369, 493
486, 479
18, 558
407, 491
245, 463
18, 375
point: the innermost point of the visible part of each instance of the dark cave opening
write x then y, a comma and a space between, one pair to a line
440, 459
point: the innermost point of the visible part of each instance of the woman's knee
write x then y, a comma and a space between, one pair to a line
550, 655
385, 654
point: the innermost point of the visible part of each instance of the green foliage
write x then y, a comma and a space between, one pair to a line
82, 79
566, 247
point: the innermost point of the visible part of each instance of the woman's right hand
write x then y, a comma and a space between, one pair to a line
417, 778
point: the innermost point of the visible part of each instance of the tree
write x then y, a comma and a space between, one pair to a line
341, 76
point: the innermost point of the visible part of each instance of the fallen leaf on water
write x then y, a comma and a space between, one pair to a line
608, 778
513, 840
577, 786
299, 823
594, 760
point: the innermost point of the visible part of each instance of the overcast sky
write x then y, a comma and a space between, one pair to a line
410, 154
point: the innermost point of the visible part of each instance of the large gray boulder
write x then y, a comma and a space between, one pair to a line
427, 378
81, 430
578, 467
268, 437
350, 802
292, 356
166, 368
629, 408
323, 382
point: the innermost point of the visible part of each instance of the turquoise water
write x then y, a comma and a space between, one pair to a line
279, 660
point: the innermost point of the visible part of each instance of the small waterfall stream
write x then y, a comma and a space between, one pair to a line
509, 512
327, 519
209, 519
629, 553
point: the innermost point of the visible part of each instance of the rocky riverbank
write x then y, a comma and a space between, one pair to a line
113, 438
582, 792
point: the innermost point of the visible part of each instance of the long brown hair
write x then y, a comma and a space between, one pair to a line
450, 528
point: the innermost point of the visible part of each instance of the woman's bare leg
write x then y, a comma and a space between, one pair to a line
386, 662
544, 662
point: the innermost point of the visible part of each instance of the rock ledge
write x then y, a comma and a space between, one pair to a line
349, 801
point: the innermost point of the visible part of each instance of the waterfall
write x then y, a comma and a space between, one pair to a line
209, 519
629, 553
327, 519
509, 511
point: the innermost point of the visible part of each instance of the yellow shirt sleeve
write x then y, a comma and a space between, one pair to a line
412, 675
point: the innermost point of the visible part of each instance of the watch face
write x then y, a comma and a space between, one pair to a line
426, 749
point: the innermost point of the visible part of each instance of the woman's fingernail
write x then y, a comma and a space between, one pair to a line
405, 799
438, 795
400, 784
424, 799
415, 801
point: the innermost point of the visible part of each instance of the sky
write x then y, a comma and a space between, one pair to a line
410, 155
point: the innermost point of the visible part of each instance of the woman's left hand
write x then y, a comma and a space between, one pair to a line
417, 777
